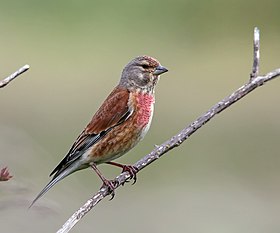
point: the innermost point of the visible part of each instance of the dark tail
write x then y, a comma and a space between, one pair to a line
57, 177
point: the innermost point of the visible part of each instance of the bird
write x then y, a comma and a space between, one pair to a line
118, 125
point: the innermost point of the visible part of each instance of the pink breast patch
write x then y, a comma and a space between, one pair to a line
145, 104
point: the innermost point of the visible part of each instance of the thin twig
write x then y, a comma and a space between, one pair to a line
177, 139
10, 78
4, 173
256, 60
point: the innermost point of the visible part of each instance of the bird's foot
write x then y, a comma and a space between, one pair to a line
111, 186
127, 168
132, 172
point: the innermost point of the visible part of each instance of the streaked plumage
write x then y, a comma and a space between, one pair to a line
119, 124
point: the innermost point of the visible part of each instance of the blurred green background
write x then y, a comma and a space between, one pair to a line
225, 178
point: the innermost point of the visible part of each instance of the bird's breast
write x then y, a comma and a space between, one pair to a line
125, 136
144, 106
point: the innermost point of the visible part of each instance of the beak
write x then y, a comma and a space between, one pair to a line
160, 70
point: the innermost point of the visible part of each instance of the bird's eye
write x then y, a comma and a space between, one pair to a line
145, 66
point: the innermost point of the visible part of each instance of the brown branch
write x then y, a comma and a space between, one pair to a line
10, 78
255, 81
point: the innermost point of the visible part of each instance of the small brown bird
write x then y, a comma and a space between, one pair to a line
119, 124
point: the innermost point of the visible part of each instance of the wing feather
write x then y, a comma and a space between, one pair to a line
114, 111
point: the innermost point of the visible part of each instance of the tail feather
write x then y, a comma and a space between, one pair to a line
57, 177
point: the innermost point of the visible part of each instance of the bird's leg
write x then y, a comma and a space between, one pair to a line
110, 184
127, 168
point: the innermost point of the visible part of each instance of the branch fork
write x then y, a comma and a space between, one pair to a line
159, 150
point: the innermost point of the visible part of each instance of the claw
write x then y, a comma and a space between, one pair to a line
109, 184
127, 168
111, 187
132, 171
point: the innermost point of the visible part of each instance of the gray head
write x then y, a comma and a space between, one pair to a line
142, 73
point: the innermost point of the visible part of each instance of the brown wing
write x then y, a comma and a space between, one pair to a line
114, 111
110, 112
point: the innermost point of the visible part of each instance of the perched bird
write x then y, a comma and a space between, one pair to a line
119, 124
